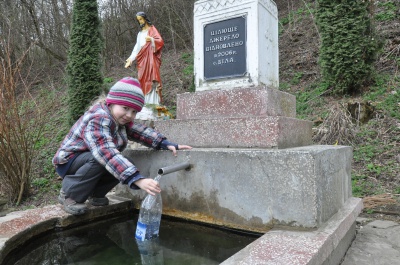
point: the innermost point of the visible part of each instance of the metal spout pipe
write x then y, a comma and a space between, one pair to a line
173, 168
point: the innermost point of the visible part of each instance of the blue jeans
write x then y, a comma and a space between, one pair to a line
86, 177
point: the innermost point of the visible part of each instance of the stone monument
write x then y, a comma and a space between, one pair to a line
237, 103
235, 46
253, 166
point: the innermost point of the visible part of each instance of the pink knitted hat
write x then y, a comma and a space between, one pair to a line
126, 92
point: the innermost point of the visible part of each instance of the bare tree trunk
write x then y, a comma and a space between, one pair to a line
172, 32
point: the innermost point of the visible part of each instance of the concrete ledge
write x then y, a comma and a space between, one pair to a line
255, 132
235, 103
18, 227
251, 189
326, 246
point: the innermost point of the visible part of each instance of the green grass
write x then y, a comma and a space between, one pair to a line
40, 183
188, 59
389, 11
296, 78
295, 16
375, 168
309, 100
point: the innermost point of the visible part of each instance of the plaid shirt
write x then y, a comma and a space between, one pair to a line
98, 132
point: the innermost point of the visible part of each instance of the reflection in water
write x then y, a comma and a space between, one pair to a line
150, 251
113, 242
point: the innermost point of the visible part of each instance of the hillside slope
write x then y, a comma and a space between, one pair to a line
375, 141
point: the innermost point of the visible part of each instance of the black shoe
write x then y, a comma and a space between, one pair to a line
72, 207
99, 201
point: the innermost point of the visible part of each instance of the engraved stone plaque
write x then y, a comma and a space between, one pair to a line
225, 49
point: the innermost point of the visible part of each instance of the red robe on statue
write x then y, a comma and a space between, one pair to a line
148, 62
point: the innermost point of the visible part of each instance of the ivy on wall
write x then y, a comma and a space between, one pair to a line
349, 44
84, 58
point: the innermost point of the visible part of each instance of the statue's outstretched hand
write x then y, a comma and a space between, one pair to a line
128, 63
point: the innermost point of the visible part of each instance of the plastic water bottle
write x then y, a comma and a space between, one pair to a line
148, 225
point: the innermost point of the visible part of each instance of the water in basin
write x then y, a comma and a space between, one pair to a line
113, 242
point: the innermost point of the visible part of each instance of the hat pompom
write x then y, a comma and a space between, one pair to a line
126, 92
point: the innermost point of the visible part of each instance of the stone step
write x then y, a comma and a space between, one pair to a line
260, 132
238, 103
327, 245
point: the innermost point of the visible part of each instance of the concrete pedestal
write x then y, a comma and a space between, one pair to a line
258, 117
251, 189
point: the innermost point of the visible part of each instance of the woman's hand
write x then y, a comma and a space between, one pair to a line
149, 185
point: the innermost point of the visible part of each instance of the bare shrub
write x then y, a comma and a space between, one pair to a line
20, 125
378, 200
337, 128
